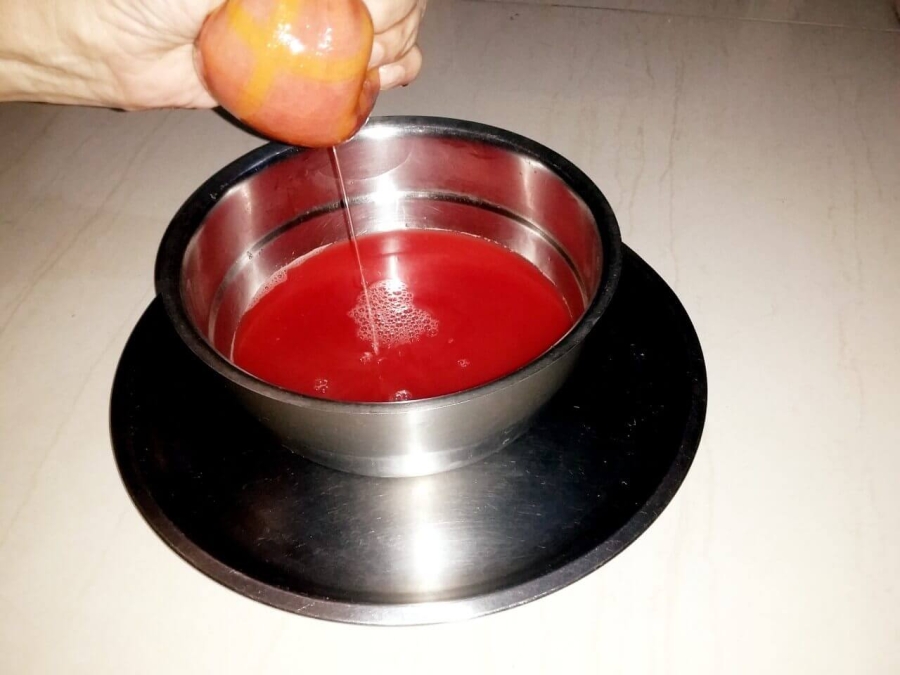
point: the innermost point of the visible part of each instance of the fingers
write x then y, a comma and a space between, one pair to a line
393, 44
388, 13
200, 98
403, 71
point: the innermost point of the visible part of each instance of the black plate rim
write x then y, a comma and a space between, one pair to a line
446, 610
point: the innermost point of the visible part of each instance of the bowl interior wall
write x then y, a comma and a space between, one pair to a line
292, 207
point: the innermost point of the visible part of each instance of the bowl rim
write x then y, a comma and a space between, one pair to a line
191, 214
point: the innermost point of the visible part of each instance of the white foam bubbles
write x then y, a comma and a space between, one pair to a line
321, 386
275, 280
395, 318
401, 395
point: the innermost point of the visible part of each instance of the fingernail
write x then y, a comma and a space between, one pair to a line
391, 75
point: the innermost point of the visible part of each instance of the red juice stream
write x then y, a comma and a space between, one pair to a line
351, 234
450, 311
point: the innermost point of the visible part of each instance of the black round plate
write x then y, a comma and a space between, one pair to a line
597, 467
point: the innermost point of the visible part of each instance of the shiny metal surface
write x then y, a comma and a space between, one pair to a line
279, 204
599, 464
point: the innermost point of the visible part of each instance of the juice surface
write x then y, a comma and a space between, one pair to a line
446, 312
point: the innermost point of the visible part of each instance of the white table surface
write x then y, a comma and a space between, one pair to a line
752, 155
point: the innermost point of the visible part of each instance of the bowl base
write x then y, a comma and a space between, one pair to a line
594, 470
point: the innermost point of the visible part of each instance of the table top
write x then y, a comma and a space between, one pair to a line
753, 160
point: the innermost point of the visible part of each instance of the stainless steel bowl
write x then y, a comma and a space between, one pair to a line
279, 203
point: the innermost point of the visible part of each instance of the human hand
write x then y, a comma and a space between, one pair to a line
138, 54
396, 25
